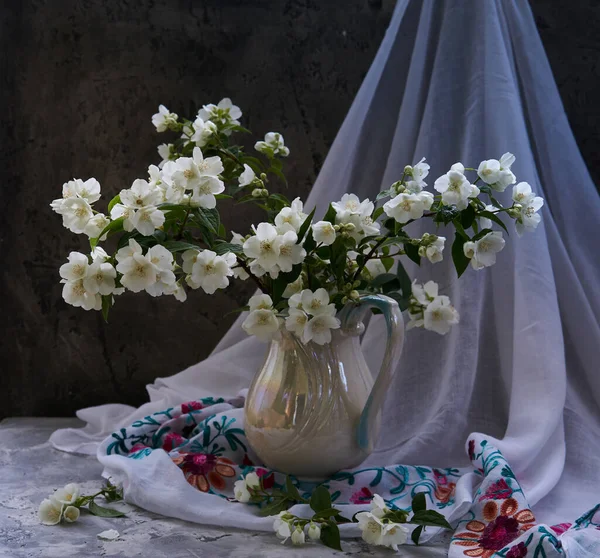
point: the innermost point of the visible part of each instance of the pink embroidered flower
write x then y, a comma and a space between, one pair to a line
191, 406
172, 440
363, 496
517, 551
471, 449
137, 447
500, 532
561, 528
268, 478
498, 490
440, 478
203, 470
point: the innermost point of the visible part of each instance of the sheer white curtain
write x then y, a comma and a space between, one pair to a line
463, 80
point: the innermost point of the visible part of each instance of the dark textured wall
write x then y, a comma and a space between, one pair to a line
80, 80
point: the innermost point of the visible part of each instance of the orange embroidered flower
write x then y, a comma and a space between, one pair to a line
505, 524
444, 493
203, 470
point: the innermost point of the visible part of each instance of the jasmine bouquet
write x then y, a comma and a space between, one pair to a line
169, 237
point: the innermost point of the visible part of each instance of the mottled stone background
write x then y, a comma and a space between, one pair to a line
80, 80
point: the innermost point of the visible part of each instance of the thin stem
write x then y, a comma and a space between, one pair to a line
258, 282
369, 256
180, 234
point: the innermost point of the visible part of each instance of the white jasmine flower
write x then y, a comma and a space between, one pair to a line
394, 534
147, 219
99, 255
200, 131
256, 269
455, 189
260, 302
241, 492
75, 294
67, 495
530, 204
264, 246
318, 328
281, 525
497, 173
424, 294
189, 258
162, 260
371, 527
272, 145
458, 167
261, 323
440, 315
290, 218
290, 253
141, 194
240, 273
76, 213
247, 177
138, 271
128, 251
211, 271
89, 189
252, 480
201, 176
50, 512
76, 268
176, 289
120, 211
224, 113
295, 300
163, 119
71, 514
164, 150
100, 278
434, 251
417, 175
316, 303
483, 251
375, 268
237, 238
298, 536
293, 288
314, 531
96, 225
296, 321
378, 506
405, 207
351, 205
484, 222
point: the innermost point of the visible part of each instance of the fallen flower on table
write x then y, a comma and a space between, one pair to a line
66, 503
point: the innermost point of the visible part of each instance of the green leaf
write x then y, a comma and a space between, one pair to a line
179, 246
330, 536
493, 217
304, 226
223, 247
430, 517
113, 202
388, 263
281, 198
275, 507
367, 239
416, 534
383, 279
103, 512
320, 499
383, 194
467, 216
400, 299
418, 502
112, 227
291, 489
377, 213
222, 231
107, 301
330, 215
404, 279
412, 252
326, 514
481, 234
461, 261
460, 229
209, 218
446, 214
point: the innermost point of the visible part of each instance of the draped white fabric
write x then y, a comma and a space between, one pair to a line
463, 80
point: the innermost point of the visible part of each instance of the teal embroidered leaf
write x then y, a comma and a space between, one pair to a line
377, 479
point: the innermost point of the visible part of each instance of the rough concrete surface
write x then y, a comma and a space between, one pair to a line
80, 81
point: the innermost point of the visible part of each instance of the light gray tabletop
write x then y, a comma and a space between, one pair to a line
30, 470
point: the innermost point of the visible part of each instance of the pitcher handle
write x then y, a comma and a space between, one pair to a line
352, 315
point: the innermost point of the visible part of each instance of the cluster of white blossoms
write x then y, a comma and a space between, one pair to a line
85, 283
311, 316
76, 209
272, 145
355, 217
274, 248
429, 310
378, 531
207, 270
411, 200
262, 320
497, 174
482, 252
60, 505
285, 529
242, 489
527, 205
